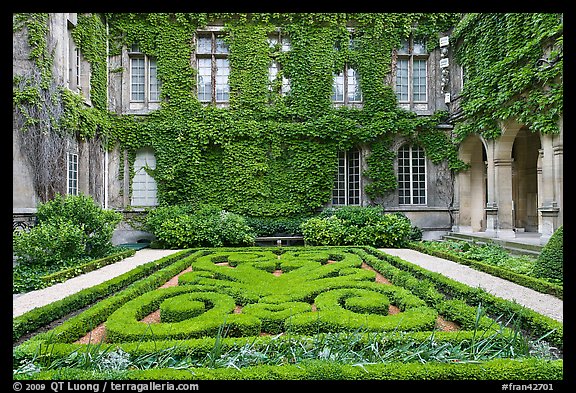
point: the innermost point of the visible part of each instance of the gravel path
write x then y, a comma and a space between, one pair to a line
542, 303
22, 303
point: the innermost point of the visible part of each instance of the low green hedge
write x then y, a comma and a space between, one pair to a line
536, 324
499, 369
42, 316
534, 283
343, 291
75, 271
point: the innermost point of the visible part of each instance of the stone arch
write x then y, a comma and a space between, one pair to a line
525, 162
472, 187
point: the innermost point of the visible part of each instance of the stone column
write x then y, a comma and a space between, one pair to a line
548, 207
559, 180
503, 182
456, 204
491, 203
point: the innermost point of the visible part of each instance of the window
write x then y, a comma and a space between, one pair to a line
273, 74
278, 42
411, 175
346, 88
144, 82
279, 38
347, 183
72, 176
74, 61
412, 72
144, 185
213, 68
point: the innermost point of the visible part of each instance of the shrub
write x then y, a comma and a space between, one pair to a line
275, 226
49, 244
549, 264
357, 225
328, 231
69, 228
183, 226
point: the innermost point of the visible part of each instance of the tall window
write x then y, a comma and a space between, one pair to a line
347, 183
144, 82
213, 68
346, 87
412, 72
74, 61
72, 176
278, 42
411, 175
144, 185
273, 71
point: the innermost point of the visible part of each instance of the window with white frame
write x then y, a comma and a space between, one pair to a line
143, 184
347, 184
72, 174
144, 82
278, 42
273, 71
213, 68
346, 87
411, 175
412, 72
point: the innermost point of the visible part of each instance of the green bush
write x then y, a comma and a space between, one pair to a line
185, 226
358, 225
49, 244
69, 228
550, 262
328, 231
276, 226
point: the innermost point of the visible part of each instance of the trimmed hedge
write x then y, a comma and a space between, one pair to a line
520, 279
550, 262
499, 369
351, 301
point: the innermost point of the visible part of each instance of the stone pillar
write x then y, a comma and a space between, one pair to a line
455, 211
559, 180
491, 204
503, 182
540, 186
548, 207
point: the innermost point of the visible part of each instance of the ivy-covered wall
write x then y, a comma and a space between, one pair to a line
266, 154
513, 68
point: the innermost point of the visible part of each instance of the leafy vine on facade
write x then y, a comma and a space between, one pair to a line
270, 154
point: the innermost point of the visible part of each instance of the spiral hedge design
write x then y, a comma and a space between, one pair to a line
345, 297
227, 298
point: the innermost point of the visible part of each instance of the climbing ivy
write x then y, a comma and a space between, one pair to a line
267, 154
504, 76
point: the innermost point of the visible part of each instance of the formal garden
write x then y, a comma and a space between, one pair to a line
221, 308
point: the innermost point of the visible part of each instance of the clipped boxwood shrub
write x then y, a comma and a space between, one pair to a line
358, 225
550, 262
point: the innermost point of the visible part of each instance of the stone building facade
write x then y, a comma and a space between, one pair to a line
514, 183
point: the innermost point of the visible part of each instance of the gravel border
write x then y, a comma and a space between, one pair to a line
544, 304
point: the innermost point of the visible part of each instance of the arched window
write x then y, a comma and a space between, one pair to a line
347, 184
144, 185
411, 175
